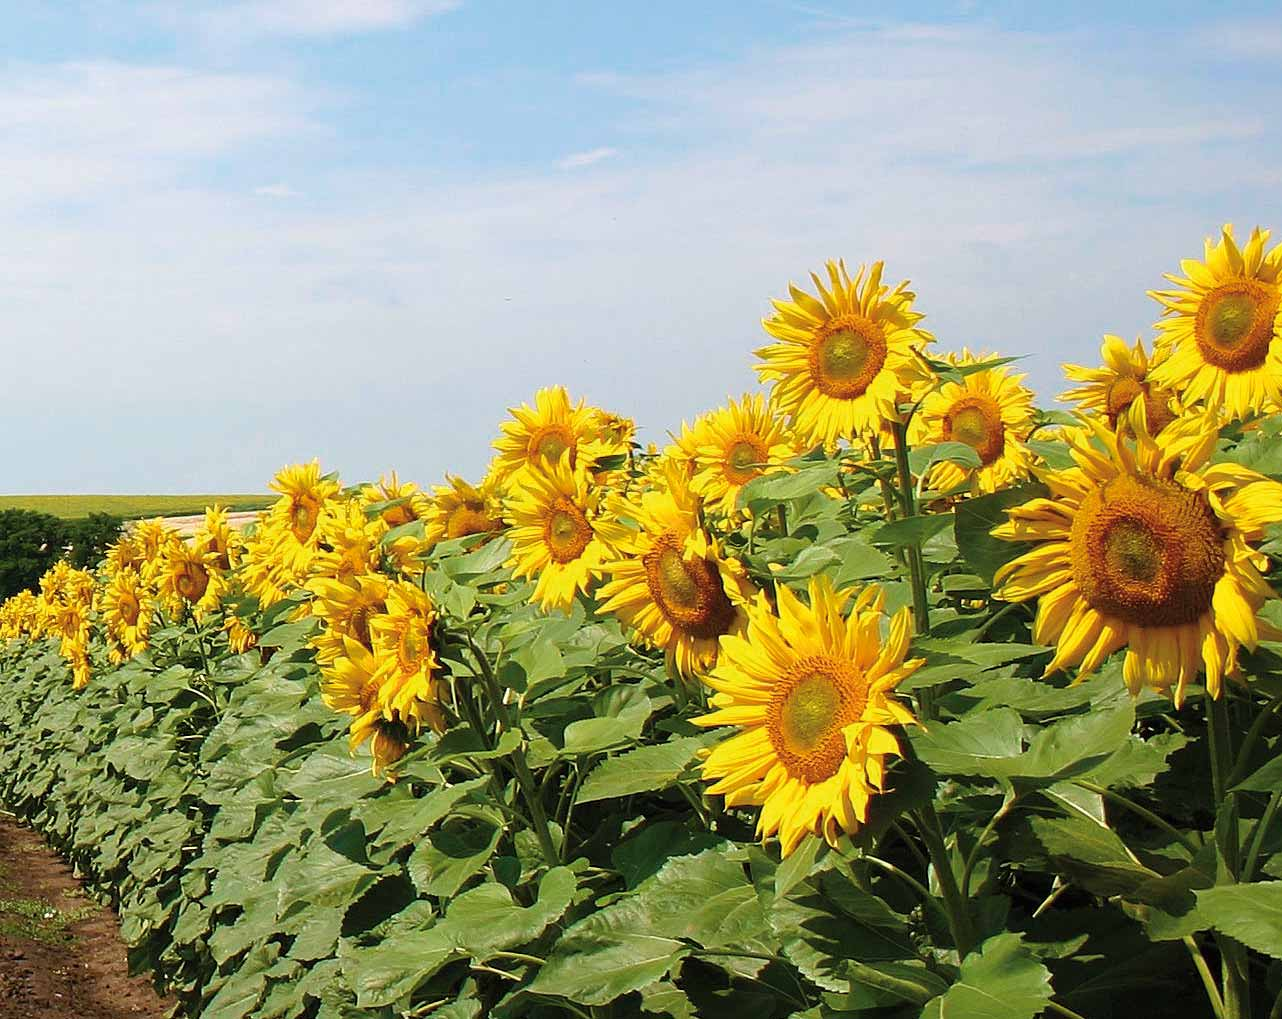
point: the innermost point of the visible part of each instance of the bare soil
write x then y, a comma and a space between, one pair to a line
60, 952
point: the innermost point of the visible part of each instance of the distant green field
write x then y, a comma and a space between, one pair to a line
130, 507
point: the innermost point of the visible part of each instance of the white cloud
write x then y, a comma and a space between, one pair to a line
580, 159
255, 18
276, 191
1031, 189
1246, 39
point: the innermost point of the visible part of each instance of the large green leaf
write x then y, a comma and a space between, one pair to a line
1251, 913
646, 769
1003, 980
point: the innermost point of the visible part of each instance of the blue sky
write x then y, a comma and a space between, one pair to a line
246, 233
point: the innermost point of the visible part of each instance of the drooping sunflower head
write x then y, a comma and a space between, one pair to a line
1124, 377
399, 502
154, 540
126, 609
403, 639
191, 582
295, 518
1144, 546
810, 687
346, 609
541, 434
559, 534
671, 582
842, 359
353, 683
1221, 330
350, 541
218, 540
123, 554
459, 509
732, 445
990, 411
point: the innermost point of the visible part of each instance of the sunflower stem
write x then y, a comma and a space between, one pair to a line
520, 766
1141, 812
916, 565
781, 516
959, 922
1253, 736
1233, 962
1257, 837
1204, 971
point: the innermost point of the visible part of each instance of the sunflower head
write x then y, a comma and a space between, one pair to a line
810, 687
732, 445
1123, 378
399, 502
559, 534
459, 509
842, 360
989, 410
1220, 336
671, 582
553, 427
1143, 545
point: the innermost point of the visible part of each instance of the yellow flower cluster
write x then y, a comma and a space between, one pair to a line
1144, 545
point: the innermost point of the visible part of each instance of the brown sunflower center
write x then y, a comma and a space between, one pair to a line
550, 442
358, 622
1122, 392
1147, 551
127, 606
302, 517
566, 532
468, 518
1235, 324
810, 708
688, 592
742, 458
976, 420
192, 581
845, 356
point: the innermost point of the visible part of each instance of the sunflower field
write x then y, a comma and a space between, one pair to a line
883, 694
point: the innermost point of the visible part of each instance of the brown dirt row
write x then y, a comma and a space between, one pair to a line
60, 952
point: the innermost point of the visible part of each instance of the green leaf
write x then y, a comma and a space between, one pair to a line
922, 457
974, 745
1251, 913
769, 489
592, 735
1090, 855
1265, 779
1003, 980
974, 520
646, 769
453, 853
290, 636
486, 920
910, 530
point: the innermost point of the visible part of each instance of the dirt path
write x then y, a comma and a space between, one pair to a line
60, 953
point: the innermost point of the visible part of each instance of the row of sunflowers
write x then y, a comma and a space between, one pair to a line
1133, 536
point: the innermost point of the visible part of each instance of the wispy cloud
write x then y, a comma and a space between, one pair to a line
580, 159
276, 191
258, 18
1032, 188
1260, 39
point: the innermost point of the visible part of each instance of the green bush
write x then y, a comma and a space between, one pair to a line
30, 543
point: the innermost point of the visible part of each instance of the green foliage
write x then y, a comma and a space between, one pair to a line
30, 543
89, 537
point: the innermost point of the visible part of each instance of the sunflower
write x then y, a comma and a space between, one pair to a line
122, 554
398, 502
126, 609
1145, 546
218, 540
989, 411
153, 540
353, 684
240, 635
810, 688
559, 533
672, 584
844, 359
458, 509
350, 542
403, 639
190, 580
1110, 390
540, 434
731, 446
295, 519
1221, 331
346, 608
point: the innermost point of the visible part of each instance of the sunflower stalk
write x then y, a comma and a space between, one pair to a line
916, 564
520, 765
959, 921
1233, 959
